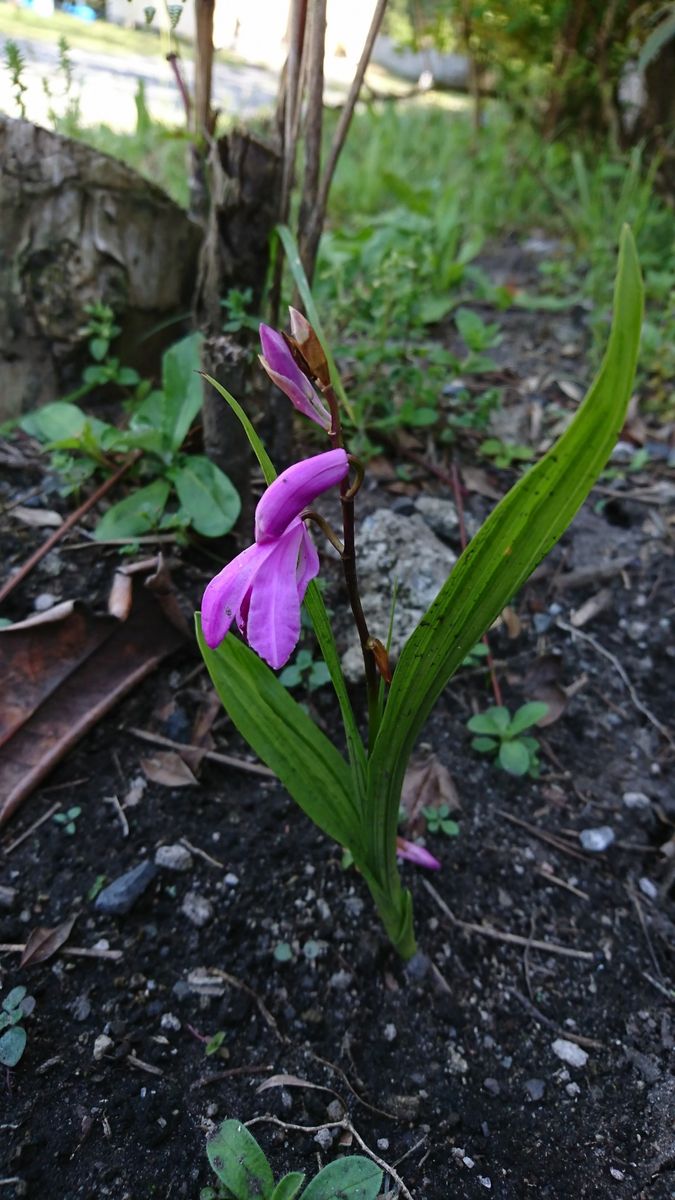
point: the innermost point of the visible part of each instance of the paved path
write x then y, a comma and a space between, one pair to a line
106, 85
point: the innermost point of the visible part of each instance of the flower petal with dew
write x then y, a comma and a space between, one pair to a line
416, 854
294, 489
283, 370
226, 593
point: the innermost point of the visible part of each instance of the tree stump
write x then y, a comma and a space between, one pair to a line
80, 227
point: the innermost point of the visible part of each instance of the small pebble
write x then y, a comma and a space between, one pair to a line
174, 858
169, 1021
102, 1045
44, 601
535, 1088
636, 800
418, 967
569, 1052
572, 1089
7, 896
616, 1174
491, 1086
324, 1138
390, 1033
197, 909
121, 895
648, 888
340, 981
383, 1143
335, 1110
597, 839
486, 1181
231, 879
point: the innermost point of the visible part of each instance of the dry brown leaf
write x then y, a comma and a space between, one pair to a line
43, 943
475, 479
542, 682
168, 768
427, 784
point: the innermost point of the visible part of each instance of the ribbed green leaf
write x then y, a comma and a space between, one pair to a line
284, 737
239, 1162
316, 609
527, 715
516, 536
355, 1178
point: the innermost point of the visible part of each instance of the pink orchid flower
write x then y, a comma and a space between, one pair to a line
416, 854
283, 370
262, 589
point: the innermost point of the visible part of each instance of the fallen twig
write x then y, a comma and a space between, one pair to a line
202, 854
513, 939
230, 1073
349, 1128
551, 878
544, 1020
74, 517
226, 759
621, 672
32, 828
551, 838
71, 951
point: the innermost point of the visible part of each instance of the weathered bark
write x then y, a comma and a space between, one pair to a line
244, 178
79, 227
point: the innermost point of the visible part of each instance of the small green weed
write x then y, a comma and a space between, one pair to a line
68, 819
505, 454
244, 1172
16, 66
16, 1006
439, 820
305, 670
501, 733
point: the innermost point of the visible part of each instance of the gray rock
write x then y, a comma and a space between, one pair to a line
598, 839
173, 858
120, 896
569, 1052
324, 1138
7, 896
394, 549
636, 800
440, 515
197, 909
535, 1088
491, 1086
44, 601
648, 888
170, 1021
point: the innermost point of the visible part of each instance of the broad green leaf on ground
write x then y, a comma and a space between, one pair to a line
516, 536
288, 1187
284, 737
527, 714
182, 386
54, 422
137, 514
208, 497
514, 758
12, 1046
239, 1162
354, 1178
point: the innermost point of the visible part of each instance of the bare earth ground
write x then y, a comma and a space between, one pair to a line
445, 1067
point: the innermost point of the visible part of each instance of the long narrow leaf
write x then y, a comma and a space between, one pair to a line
302, 283
285, 738
315, 607
519, 532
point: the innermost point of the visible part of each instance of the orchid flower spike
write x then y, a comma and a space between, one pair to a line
278, 361
262, 589
416, 854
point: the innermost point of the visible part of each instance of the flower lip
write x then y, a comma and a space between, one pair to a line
416, 854
295, 489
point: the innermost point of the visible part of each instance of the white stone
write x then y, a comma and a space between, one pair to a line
102, 1044
569, 1052
173, 858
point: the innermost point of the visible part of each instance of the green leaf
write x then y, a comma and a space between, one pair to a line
98, 348
316, 609
291, 676
495, 720
54, 422
13, 999
182, 389
526, 715
205, 492
484, 744
284, 737
137, 514
12, 1046
514, 758
516, 536
239, 1162
353, 1178
288, 1187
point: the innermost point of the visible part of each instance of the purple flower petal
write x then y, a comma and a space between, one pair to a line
308, 564
273, 623
283, 370
294, 489
416, 854
225, 594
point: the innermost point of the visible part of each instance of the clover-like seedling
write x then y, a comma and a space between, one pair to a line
68, 819
476, 655
439, 820
502, 733
505, 454
305, 670
16, 1005
245, 1174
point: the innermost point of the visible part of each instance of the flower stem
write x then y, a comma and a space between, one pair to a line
347, 493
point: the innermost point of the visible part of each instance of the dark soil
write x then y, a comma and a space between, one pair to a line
444, 1066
